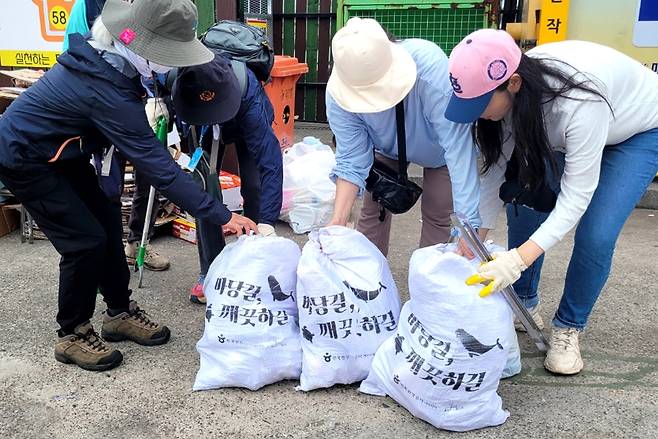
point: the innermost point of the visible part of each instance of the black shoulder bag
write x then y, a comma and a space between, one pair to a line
512, 191
393, 190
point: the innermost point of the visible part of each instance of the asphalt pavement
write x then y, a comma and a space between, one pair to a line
150, 396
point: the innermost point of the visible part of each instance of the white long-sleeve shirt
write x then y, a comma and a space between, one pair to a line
581, 129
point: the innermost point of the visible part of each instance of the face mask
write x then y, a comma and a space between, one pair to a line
144, 67
157, 68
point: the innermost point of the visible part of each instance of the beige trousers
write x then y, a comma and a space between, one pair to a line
436, 206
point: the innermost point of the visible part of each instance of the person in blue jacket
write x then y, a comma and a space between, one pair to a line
228, 94
91, 99
80, 21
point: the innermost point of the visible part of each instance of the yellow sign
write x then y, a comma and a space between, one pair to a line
27, 58
32, 31
553, 21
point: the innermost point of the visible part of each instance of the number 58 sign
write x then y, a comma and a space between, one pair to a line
32, 31
53, 16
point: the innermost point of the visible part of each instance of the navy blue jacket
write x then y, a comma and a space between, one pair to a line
252, 128
84, 104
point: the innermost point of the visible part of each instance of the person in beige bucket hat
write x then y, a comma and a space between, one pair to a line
92, 99
372, 73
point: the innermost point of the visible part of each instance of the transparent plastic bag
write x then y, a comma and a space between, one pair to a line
308, 192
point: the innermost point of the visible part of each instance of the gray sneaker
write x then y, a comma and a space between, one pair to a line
152, 260
534, 313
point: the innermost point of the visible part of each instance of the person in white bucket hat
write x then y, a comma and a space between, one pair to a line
372, 73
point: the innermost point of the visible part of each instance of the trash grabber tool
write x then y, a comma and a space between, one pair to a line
473, 240
161, 134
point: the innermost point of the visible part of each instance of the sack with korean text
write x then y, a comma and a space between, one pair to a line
348, 305
251, 337
447, 357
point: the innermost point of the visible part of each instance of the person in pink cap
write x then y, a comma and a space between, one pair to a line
569, 137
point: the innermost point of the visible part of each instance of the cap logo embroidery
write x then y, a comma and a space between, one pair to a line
207, 96
497, 69
455, 84
127, 36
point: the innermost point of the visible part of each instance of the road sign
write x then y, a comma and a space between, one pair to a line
32, 32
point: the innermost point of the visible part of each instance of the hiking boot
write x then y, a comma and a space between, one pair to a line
135, 325
534, 313
563, 356
196, 294
86, 349
152, 260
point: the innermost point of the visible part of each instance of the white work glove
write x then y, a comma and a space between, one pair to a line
266, 230
155, 107
503, 271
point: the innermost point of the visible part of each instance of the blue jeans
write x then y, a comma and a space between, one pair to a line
627, 169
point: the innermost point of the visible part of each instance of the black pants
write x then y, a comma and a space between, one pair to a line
138, 211
85, 228
210, 239
113, 187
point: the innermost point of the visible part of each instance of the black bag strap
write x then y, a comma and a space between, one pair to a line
402, 142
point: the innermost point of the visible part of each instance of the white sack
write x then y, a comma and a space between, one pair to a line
348, 305
446, 360
251, 337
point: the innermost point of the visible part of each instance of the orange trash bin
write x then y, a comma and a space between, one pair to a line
281, 90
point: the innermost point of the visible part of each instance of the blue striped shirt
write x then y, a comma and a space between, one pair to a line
432, 140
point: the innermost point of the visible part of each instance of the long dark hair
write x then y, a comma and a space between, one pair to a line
532, 150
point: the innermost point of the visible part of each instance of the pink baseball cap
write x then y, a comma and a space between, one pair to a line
481, 62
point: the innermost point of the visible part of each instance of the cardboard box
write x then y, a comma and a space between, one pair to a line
180, 213
9, 220
230, 185
184, 230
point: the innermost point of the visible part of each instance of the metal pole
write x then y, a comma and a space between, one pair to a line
473, 240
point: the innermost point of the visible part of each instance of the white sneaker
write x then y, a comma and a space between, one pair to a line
563, 356
534, 313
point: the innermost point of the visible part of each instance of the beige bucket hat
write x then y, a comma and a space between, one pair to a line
370, 73
161, 31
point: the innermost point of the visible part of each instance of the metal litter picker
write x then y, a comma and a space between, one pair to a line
161, 134
471, 237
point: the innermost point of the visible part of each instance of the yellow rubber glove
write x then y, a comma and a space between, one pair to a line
503, 271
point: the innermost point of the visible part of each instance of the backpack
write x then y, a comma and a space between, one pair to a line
244, 43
